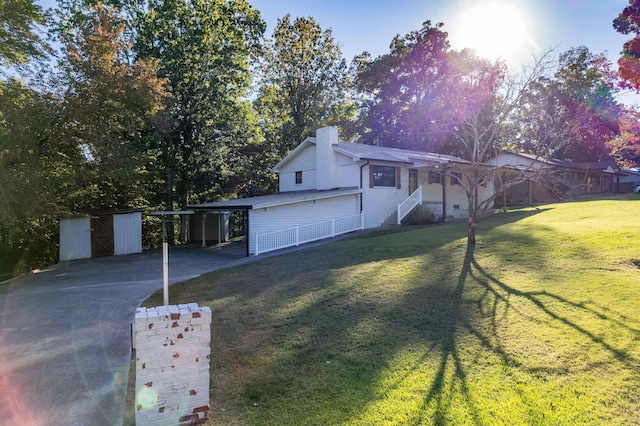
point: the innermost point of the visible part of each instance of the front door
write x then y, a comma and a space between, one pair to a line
413, 180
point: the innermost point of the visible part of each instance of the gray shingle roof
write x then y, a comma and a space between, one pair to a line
397, 155
273, 200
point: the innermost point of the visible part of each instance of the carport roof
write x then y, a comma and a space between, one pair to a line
273, 200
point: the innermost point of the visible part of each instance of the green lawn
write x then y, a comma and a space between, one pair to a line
540, 324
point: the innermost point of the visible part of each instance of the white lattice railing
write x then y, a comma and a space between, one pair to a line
409, 204
276, 240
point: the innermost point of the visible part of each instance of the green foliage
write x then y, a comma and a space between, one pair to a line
625, 148
303, 84
573, 113
33, 171
538, 325
82, 153
19, 33
420, 216
628, 22
110, 109
586, 87
203, 48
406, 91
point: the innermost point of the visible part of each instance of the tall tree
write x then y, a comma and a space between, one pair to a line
571, 114
20, 38
33, 167
625, 148
628, 22
303, 83
203, 48
584, 87
405, 91
110, 109
81, 148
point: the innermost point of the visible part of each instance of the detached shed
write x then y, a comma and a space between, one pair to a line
107, 234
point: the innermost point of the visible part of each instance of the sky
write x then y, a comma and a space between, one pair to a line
512, 30
522, 27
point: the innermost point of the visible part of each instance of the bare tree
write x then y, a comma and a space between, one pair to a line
485, 96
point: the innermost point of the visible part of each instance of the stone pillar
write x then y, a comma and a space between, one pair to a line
172, 345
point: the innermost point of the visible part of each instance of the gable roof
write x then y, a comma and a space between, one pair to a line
630, 172
361, 152
591, 165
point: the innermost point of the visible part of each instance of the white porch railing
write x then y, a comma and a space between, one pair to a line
405, 207
276, 240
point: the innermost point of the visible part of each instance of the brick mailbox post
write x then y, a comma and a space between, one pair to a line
173, 347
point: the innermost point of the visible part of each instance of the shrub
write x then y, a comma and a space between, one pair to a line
420, 216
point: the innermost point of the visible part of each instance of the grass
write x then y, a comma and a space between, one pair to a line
539, 324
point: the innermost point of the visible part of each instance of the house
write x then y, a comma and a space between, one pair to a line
629, 180
327, 187
551, 179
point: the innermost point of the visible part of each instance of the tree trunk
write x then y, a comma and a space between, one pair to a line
184, 233
472, 195
471, 232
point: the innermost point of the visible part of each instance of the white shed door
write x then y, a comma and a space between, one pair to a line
75, 238
127, 233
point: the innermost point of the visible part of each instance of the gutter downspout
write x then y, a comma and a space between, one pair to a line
444, 194
361, 198
245, 216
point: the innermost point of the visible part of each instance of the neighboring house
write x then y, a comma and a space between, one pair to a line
629, 180
338, 186
553, 179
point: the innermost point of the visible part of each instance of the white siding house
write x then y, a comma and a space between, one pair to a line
327, 182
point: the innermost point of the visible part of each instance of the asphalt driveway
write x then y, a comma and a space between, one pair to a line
65, 341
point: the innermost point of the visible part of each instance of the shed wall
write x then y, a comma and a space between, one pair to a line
127, 230
213, 220
75, 238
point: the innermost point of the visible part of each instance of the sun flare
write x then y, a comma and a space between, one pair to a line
495, 30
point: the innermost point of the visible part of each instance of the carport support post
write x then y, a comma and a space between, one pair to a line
204, 224
165, 264
220, 223
165, 272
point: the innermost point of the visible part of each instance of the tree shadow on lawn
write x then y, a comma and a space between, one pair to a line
550, 309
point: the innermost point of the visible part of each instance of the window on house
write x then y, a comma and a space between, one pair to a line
384, 176
456, 178
434, 177
298, 178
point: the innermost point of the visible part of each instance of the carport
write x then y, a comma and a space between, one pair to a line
286, 210
222, 210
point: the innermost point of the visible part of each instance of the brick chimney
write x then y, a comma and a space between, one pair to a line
326, 159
